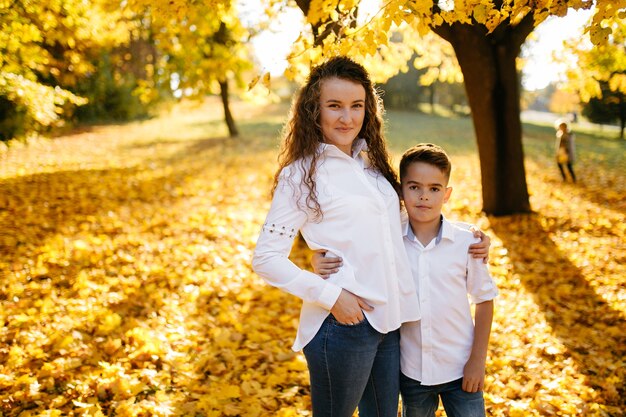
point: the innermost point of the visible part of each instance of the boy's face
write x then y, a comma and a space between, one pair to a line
424, 191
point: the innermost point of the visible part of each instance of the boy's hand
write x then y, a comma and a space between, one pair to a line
474, 375
323, 266
480, 249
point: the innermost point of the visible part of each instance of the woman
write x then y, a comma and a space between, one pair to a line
564, 148
336, 186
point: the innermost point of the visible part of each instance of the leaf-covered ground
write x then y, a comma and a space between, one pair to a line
126, 287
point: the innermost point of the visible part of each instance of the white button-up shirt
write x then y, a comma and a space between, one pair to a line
360, 223
435, 350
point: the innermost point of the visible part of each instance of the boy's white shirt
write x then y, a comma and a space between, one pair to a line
436, 349
361, 224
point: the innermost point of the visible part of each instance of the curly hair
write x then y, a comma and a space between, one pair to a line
303, 131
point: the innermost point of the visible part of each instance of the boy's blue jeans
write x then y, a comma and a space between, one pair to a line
422, 400
353, 365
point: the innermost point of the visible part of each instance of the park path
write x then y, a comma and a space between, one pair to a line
534, 116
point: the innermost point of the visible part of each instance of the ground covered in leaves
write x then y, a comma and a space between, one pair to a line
126, 287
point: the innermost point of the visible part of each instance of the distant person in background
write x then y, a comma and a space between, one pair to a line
565, 150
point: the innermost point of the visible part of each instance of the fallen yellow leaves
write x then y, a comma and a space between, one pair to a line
126, 287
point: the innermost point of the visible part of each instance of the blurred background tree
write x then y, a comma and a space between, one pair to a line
433, 76
99, 60
562, 102
608, 107
597, 74
49, 48
205, 50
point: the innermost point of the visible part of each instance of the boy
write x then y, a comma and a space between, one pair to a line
443, 355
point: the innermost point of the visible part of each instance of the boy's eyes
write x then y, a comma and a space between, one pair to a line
432, 189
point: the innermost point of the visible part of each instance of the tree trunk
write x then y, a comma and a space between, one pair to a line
228, 117
491, 82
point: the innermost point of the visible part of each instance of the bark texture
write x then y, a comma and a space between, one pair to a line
493, 92
228, 117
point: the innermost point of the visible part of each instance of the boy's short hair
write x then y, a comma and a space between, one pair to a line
428, 153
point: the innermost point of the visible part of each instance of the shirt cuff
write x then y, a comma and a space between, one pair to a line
329, 295
484, 297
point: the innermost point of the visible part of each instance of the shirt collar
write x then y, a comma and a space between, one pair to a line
446, 231
357, 146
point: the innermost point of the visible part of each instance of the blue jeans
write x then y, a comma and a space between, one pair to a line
422, 400
353, 365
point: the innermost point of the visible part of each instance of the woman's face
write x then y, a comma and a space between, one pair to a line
342, 110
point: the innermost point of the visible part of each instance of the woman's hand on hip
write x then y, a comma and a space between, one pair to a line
348, 308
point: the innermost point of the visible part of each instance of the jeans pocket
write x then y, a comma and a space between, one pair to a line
333, 320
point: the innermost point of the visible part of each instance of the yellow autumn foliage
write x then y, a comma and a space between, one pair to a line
126, 286
363, 30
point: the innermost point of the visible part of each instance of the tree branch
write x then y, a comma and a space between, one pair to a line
523, 29
304, 5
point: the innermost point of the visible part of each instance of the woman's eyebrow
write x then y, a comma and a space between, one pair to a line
336, 100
